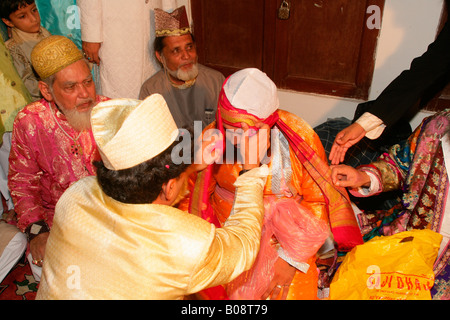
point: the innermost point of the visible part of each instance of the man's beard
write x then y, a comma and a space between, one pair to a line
181, 74
80, 121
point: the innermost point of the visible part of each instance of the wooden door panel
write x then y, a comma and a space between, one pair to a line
324, 47
331, 55
229, 33
319, 49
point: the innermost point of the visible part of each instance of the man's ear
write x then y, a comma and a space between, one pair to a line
160, 57
8, 22
169, 190
45, 91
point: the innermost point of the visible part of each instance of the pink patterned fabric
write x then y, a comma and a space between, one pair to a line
44, 161
289, 226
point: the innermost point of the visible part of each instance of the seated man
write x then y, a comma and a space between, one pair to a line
419, 166
13, 97
121, 228
299, 198
190, 89
52, 144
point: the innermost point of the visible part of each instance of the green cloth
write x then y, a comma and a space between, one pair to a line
13, 93
3, 31
61, 17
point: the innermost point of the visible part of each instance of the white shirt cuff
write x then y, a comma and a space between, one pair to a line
373, 125
373, 188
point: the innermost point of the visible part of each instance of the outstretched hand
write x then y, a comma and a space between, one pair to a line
344, 140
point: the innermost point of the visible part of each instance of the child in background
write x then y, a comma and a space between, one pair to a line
22, 16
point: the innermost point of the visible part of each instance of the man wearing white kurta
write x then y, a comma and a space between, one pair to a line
122, 33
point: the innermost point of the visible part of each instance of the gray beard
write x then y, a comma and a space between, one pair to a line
185, 75
80, 121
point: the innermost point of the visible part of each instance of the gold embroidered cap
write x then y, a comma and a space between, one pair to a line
129, 132
53, 54
171, 24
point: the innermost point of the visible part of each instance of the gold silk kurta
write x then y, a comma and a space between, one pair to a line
103, 249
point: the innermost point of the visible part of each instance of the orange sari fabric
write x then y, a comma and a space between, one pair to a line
300, 206
220, 193
224, 176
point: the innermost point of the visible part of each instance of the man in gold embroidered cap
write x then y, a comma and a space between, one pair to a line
190, 89
52, 144
121, 226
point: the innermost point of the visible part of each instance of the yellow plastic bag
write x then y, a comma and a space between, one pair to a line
397, 267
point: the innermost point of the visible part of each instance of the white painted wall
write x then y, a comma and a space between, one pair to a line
408, 27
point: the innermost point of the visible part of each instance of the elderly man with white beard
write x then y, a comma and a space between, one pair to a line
190, 89
52, 144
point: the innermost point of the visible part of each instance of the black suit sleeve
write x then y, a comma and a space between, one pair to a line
410, 86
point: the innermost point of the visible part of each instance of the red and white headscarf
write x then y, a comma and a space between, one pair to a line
248, 96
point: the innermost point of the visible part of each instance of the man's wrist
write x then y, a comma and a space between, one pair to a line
365, 178
36, 229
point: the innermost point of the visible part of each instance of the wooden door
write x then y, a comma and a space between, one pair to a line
229, 33
324, 47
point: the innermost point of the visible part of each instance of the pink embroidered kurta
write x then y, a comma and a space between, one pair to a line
44, 161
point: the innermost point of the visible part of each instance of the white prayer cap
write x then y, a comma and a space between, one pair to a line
253, 91
129, 132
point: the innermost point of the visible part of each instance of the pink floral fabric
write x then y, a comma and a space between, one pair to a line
44, 161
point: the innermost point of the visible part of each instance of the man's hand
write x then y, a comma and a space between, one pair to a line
344, 140
281, 281
346, 176
37, 248
90, 50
